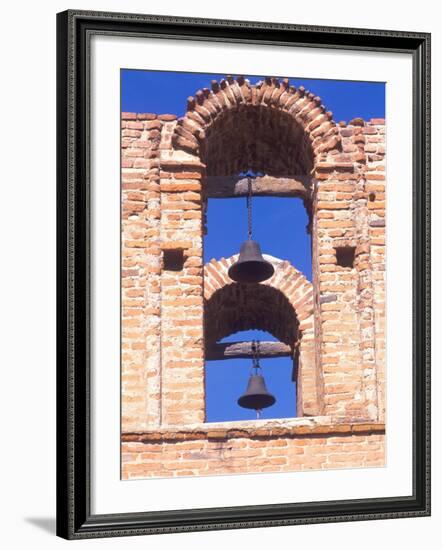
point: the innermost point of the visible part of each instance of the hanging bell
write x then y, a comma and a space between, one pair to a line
251, 266
256, 395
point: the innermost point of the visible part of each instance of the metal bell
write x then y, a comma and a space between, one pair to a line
256, 395
251, 266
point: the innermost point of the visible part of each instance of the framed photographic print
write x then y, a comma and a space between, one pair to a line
243, 274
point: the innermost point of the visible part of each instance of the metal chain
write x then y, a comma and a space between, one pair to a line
249, 206
255, 355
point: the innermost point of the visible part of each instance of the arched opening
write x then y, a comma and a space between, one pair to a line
272, 135
236, 316
251, 144
279, 314
273, 106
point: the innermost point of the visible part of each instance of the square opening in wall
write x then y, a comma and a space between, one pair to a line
173, 259
345, 256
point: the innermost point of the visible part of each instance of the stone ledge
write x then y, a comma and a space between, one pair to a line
302, 427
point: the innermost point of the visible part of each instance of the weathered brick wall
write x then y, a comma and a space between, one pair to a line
140, 270
346, 212
335, 325
273, 447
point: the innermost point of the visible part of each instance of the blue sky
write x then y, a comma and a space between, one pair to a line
166, 92
278, 223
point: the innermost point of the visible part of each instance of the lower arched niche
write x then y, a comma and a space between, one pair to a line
283, 306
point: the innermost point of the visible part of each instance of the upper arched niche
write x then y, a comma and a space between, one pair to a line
269, 127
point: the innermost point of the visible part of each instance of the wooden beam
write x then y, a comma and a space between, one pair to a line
243, 350
235, 186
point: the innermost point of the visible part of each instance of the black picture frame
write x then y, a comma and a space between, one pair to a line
74, 518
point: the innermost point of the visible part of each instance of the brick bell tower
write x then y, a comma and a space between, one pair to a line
175, 309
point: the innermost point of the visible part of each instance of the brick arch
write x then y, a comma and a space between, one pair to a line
234, 308
291, 290
269, 105
286, 299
